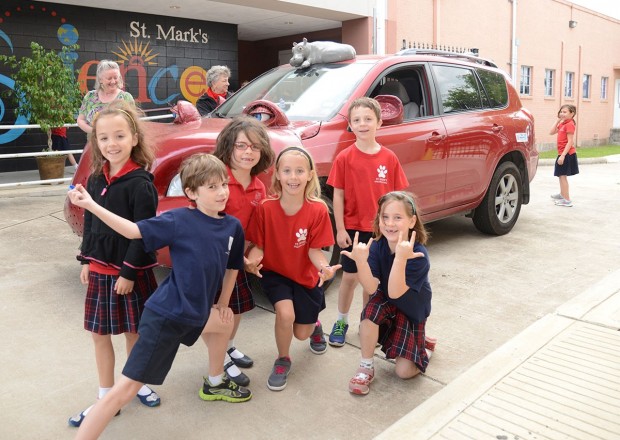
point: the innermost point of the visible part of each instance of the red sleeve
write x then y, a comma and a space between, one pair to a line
570, 126
256, 228
336, 174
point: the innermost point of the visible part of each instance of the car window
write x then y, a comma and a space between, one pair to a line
494, 85
316, 93
458, 88
410, 85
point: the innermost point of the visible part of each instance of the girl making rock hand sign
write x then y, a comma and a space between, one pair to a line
395, 267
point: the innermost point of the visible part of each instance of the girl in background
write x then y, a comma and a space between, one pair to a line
566, 164
118, 271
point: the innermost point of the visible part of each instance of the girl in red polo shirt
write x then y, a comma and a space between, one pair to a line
288, 233
117, 270
566, 164
244, 147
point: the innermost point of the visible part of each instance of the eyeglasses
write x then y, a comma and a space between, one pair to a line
242, 146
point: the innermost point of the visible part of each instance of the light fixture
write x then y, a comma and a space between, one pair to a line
175, 7
572, 24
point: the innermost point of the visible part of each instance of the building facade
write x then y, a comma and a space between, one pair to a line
556, 52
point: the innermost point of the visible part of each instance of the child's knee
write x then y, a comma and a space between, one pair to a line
405, 369
303, 331
285, 316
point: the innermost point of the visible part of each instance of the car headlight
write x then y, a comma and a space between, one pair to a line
175, 189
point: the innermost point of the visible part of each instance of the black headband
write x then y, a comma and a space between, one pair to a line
287, 149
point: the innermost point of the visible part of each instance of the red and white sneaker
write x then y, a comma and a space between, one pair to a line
362, 379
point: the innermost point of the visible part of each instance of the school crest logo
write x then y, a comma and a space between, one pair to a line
301, 235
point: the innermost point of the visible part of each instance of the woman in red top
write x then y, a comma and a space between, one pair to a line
217, 90
566, 163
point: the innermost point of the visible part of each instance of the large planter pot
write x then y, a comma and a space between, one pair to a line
51, 167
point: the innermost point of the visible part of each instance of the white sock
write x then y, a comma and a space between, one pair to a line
87, 410
367, 363
216, 380
103, 392
235, 353
145, 391
343, 317
233, 370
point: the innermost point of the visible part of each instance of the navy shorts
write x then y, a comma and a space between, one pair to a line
151, 358
307, 303
60, 143
349, 265
570, 167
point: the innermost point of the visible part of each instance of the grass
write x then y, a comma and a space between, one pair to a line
604, 150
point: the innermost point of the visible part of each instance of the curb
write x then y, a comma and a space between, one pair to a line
586, 160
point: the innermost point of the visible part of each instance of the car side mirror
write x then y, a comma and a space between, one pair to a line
392, 110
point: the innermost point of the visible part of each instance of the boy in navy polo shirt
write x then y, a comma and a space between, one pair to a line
206, 247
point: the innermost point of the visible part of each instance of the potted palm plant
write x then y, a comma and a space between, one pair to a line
47, 93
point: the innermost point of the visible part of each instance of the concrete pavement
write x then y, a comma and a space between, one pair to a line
486, 291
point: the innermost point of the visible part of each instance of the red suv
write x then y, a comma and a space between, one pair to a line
465, 141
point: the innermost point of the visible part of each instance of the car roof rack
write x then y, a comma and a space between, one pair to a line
445, 53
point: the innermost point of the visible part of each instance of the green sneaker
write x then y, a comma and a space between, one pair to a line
339, 333
227, 390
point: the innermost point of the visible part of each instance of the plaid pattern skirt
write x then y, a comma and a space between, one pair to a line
241, 299
107, 313
397, 335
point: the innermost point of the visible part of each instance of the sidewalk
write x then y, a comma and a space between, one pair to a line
557, 379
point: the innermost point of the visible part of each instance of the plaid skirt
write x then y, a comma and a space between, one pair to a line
241, 299
397, 335
107, 313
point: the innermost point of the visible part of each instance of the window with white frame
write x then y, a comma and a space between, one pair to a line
586, 86
549, 75
525, 87
604, 81
568, 84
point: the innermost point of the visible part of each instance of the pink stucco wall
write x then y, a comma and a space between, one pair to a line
545, 42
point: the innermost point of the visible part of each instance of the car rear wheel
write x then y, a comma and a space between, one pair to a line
499, 210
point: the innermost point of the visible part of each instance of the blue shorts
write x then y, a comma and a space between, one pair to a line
349, 265
151, 358
307, 303
570, 167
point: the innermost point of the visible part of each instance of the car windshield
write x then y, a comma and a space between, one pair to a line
316, 93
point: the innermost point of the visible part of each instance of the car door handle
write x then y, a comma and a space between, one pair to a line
497, 128
436, 137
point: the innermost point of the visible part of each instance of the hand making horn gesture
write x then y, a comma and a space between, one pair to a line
359, 252
404, 248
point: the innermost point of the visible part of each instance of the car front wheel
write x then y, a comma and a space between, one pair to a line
499, 210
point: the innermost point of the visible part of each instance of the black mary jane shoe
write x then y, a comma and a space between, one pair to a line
244, 362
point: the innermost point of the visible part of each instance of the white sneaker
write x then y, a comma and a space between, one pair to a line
556, 196
564, 202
